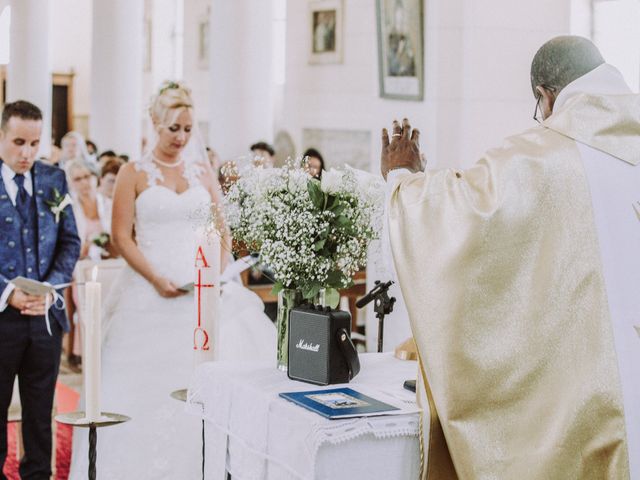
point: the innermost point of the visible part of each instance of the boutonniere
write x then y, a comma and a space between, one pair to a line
101, 240
58, 203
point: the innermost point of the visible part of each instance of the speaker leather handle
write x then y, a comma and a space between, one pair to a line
349, 351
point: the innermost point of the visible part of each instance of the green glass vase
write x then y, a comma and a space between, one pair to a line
288, 299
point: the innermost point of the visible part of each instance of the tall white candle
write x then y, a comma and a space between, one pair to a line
206, 338
91, 360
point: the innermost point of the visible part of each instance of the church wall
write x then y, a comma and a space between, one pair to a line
71, 50
195, 71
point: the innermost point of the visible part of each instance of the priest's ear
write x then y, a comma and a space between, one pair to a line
547, 101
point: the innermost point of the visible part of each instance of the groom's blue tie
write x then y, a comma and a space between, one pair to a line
22, 199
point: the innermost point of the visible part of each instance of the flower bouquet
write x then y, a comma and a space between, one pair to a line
313, 235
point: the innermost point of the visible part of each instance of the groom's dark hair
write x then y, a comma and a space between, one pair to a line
21, 109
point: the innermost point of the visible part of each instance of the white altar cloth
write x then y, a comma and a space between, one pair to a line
254, 434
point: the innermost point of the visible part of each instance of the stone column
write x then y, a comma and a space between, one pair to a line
29, 69
115, 120
240, 72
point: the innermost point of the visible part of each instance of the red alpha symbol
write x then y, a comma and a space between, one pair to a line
200, 257
205, 340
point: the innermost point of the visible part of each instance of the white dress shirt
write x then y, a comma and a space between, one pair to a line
11, 186
12, 190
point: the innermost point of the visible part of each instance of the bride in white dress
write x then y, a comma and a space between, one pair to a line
147, 348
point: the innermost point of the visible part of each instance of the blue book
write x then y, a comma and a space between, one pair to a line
340, 403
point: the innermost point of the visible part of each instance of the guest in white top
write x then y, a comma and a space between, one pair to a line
104, 195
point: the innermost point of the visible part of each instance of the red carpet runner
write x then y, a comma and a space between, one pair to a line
66, 401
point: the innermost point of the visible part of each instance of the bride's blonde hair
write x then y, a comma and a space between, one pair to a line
170, 100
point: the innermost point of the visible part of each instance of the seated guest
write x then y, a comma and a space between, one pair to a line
92, 148
75, 148
263, 154
315, 162
107, 155
104, 195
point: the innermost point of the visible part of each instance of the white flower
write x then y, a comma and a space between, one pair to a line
331, 181
57, 210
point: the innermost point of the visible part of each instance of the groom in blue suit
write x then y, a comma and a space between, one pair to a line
39, 244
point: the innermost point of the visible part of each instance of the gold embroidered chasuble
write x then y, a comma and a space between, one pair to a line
500, 268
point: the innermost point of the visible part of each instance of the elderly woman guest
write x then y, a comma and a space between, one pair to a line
74, 148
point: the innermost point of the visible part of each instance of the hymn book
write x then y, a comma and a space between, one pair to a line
337, 403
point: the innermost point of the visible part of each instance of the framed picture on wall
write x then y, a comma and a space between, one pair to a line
400, 49
203, 41
325, 33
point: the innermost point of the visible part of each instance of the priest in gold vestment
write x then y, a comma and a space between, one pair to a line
521, 276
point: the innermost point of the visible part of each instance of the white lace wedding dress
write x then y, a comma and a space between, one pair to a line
148, 345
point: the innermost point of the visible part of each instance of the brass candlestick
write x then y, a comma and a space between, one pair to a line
78, 419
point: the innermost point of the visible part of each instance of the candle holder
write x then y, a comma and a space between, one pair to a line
77, 419
181, 396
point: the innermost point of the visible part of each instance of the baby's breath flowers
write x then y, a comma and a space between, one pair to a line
310, 234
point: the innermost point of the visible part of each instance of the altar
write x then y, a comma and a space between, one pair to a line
252, 433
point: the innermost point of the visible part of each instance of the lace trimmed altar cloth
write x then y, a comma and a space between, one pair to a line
254, 434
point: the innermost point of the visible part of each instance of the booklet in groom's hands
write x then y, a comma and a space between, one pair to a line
337, 403
32, 287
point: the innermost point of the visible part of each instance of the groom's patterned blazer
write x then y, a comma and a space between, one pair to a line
52, 250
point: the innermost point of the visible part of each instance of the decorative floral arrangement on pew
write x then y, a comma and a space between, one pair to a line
312, 234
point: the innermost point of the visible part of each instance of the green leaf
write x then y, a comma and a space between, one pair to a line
343, 221
331, 202
338, 208
277, 288
319, 244
334, 278
332, 297
310, 291
315, 193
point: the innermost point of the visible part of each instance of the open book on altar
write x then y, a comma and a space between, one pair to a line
336, 403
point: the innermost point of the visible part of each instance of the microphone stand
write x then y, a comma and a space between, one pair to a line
383, 305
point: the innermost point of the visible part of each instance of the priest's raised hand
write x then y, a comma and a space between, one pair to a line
403, 150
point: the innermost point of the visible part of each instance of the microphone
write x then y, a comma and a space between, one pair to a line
377, 290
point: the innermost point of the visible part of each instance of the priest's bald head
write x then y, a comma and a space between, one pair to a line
559, 62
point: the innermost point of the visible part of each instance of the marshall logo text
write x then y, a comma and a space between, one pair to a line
302, 345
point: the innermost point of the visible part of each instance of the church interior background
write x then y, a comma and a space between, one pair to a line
255, 74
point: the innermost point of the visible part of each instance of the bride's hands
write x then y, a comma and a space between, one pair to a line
166, 288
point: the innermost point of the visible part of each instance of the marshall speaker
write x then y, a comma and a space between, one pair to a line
320, 347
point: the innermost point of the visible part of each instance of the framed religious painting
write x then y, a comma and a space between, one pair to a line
325, 31
401, 49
